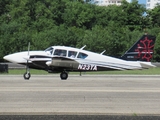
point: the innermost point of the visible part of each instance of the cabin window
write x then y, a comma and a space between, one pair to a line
49, 50
72, 54
82, 55
60, 52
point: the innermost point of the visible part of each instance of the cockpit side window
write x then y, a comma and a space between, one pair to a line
60, 52
49, 50
72, 54
82, 55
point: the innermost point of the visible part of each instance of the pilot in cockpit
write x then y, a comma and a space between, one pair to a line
71, 54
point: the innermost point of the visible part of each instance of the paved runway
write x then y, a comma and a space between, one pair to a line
80, 95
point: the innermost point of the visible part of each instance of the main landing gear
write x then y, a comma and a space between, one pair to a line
64, 75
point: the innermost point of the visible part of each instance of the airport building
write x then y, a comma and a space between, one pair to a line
150, 4
106, 2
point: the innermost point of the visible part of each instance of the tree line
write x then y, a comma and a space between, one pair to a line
75, 23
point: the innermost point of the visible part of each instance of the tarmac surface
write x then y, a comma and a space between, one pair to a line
87, 95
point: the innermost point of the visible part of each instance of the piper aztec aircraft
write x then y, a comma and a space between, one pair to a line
61, 59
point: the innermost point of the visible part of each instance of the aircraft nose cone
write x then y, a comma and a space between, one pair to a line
10, 58
7, 57
19, 57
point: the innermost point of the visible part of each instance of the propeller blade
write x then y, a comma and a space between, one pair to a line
26, 57
28, 48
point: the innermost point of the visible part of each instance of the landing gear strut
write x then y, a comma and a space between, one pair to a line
64, 75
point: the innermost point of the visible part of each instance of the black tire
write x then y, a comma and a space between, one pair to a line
26, 76
64, 76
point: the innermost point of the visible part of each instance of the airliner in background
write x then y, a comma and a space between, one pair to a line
62, 59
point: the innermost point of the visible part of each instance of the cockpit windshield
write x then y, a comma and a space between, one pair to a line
49, 50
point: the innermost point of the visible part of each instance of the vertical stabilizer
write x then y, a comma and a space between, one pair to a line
142, 50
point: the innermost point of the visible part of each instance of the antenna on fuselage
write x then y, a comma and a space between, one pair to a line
83, 47
103, 52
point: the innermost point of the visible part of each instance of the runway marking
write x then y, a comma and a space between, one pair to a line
15, 89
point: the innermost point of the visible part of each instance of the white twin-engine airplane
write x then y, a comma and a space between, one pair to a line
61, 59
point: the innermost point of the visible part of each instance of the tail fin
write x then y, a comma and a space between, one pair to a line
142, 50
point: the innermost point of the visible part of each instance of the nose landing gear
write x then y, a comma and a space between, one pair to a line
27, 74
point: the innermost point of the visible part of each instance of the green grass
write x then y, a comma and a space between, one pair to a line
22, 71
151, 71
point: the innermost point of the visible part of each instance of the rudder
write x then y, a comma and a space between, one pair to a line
142, 50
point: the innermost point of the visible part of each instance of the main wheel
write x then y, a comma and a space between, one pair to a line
64, 75
27, 75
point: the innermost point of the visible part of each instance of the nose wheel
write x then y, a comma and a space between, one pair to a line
64, 75
27, 75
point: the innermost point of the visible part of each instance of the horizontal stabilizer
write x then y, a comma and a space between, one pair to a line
147, 65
